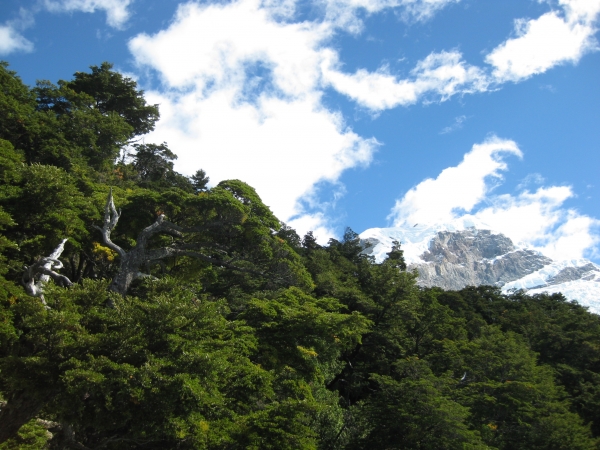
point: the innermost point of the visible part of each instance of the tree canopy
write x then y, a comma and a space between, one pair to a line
230, 331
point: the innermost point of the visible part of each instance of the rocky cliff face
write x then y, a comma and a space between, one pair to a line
475, 257
453, 259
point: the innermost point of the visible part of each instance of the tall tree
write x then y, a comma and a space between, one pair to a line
113, 93
153, 165
17, 109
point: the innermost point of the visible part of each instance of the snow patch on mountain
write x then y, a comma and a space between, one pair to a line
415, 240
549, 273
464, 253
586, 293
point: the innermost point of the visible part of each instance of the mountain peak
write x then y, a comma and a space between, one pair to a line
458, 254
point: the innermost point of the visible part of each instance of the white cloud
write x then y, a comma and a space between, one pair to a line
244, 101
216, 44
117, 13
581, 10
554, 38
423, 9
12, 41
532, 178
456, 188
542, 43
346, 13
317, 223
242, 88
457, 125
280, 147
577, 235
439, 75
537, 219
527, 217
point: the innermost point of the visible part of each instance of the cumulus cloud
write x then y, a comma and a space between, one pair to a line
245, 102
241, 94
11, 38
540, 220
556, 37
439, 75
315, 222
280, 147
117, 13
243, 82
216, 44
12, 41
457, 188
464, 194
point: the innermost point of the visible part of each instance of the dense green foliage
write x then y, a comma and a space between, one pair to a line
270, 341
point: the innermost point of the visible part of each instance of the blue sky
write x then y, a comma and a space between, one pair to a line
360, 113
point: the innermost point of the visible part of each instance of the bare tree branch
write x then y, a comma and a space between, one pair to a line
111, 218
133, 260
39, 273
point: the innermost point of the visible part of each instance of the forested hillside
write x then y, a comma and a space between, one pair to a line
189, 317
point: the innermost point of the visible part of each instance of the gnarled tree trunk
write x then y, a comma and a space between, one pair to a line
19, 409
133, 260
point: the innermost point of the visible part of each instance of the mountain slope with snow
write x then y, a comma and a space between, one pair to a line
462, 253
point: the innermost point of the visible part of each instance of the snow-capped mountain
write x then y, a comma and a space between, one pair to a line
464, 253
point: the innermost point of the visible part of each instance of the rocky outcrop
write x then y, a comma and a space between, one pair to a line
573, 273
474, 257
457, 246
453, 256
